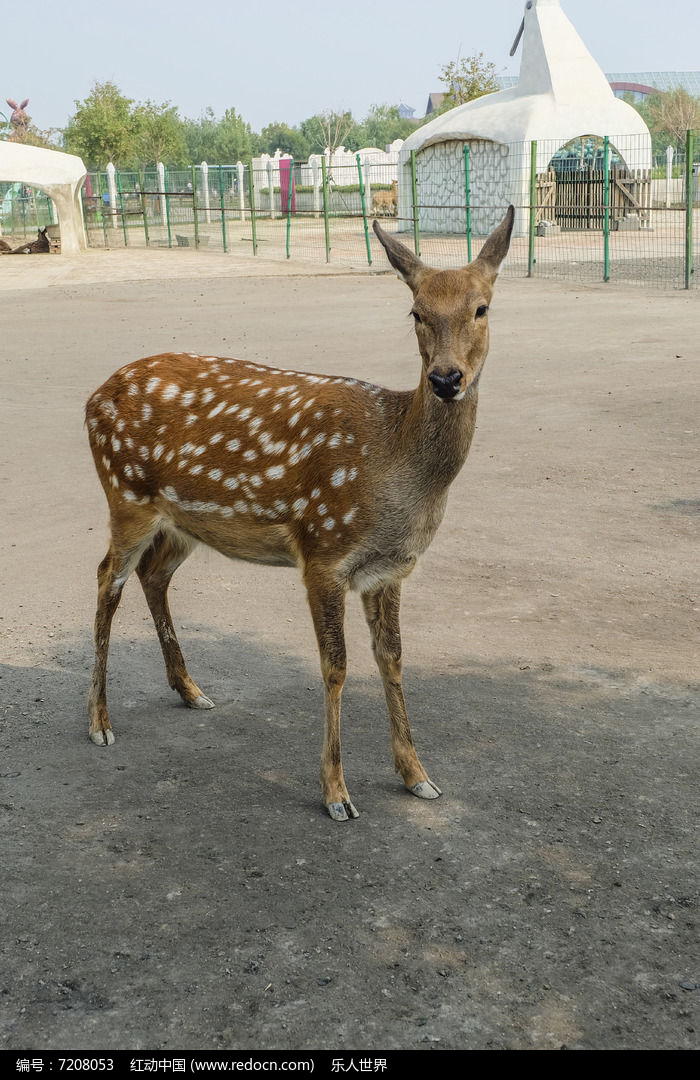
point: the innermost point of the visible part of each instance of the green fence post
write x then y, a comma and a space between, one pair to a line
533, 208
251, 190
414, 195
689, 153
606, 209
364, 209
289, 200
102, 208
118, 178
324, 185
194, 206
223, 208
144, 208
468, 200
166, 196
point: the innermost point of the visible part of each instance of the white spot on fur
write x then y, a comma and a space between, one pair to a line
217, 409
347, 518
171, 391
329, 523
233, 444
250, 455
147, 411
152, 384
188, 397
215, 474
231, 483
276, 472
338, 477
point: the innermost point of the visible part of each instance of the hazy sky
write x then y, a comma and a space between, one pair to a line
283, 61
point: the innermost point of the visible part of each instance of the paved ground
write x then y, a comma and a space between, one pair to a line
184, 890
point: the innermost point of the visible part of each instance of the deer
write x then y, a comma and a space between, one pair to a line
345, 480
386, 202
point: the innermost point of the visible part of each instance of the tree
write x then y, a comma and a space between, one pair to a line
158, 134
466, 79
234, 139
671, 114
102, 128
288, 140
329, 130
221, 142
382, 125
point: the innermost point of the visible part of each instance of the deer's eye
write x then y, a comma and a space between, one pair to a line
416, 316
481, 311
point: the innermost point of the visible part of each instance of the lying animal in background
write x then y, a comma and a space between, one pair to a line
34, 247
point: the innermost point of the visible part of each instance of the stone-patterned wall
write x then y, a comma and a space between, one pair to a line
440, 182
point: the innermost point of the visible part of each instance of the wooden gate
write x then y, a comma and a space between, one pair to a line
580, 197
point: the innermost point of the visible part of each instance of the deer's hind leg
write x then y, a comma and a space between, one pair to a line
131, 535
327, 603
155, 570
382, 614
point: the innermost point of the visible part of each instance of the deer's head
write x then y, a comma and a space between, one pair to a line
450, 310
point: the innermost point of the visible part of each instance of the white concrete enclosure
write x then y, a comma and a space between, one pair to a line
59, 175
562, 94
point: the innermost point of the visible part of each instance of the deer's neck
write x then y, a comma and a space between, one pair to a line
435, 436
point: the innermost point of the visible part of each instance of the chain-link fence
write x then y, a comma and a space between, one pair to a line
595, 210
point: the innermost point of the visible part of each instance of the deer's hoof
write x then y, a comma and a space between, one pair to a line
102, 738
341, 811
201, 702
426, 789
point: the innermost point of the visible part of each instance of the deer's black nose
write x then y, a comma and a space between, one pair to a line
446, 386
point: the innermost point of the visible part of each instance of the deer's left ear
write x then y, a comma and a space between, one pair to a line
407, 265
495, 247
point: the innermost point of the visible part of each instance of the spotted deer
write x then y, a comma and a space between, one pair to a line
345, 480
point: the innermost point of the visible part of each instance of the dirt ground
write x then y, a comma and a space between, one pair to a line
184, 890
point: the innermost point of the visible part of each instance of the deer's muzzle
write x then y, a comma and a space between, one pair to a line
446, 386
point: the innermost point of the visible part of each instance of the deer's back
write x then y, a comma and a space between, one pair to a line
260, 463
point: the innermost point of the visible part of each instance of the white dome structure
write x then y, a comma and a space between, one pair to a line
59, 175
562, 94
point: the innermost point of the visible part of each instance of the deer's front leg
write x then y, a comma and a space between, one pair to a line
327, 603
382, 613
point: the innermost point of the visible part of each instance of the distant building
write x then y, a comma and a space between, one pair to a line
406, 112
434, 103
637, 83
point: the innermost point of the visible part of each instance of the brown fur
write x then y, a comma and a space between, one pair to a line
345, 480
386, 202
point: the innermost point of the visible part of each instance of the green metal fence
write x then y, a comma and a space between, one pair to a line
581, 215
23, 210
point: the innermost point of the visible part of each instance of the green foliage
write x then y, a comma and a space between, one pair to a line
287, 139
382, 125
221, 142
103, 128
330, 129
158, 135
466, 79
669, 116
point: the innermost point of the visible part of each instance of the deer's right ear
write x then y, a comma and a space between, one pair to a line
407, 265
